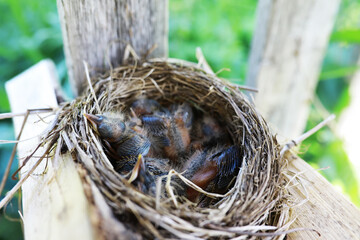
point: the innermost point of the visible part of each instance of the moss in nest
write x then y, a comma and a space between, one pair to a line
250, 206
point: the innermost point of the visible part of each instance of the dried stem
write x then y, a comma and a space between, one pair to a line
301, 138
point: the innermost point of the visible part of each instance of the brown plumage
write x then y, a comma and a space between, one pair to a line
214, 167
123, 143
208, 132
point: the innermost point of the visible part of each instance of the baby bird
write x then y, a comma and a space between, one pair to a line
124, 144
169, 133
179, 126
214, 167
142, 178
212, 170
145, 106
154, 140
145, 173
156, 129
207, 132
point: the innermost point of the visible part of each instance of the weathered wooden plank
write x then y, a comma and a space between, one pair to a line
288, 46
326, 210
54, 203
99, 31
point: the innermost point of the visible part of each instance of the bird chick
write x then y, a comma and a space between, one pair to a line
149, 116
207, 132
179, 126
170, 133
123, 143
182, 113
145, 173
156, 129
141, 177
145, 106
214, 167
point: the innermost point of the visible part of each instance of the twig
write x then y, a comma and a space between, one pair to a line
301, 138
197, 188
242, 87
17, 141
202, 61
129, 50
273, 234
30, 111
222, 70
169, 188
7, 170
11, 193
90, 86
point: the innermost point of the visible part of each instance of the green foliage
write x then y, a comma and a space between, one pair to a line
347, 27
338, 72
338, 90
29, 32
222, 28
10, 226
346, 36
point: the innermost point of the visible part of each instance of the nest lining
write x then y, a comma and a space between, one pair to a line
250, 206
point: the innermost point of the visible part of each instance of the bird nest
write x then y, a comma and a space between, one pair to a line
251, 207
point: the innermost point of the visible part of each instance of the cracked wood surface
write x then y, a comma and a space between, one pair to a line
288, 47
326, 210
99, 31
53, 201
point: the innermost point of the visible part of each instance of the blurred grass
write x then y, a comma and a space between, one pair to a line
30, 32
223, 30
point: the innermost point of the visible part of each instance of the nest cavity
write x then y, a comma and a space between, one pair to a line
251, 207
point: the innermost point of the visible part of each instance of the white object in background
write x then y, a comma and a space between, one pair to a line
54, 203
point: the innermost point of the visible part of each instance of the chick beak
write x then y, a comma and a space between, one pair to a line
136, 170
93, 119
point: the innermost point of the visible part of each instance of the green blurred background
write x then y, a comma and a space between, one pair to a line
30, 32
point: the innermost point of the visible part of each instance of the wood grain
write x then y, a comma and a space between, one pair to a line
99, 31
287, 51
53, 199
327, 211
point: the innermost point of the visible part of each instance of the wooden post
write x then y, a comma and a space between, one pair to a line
320, 207
53, 199
287, 51
99, 31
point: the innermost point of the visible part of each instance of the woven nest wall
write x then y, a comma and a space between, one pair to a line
253, 202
